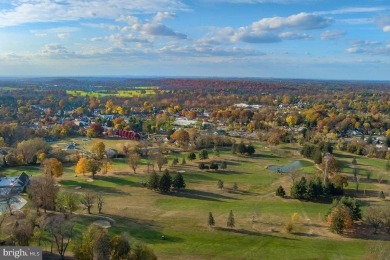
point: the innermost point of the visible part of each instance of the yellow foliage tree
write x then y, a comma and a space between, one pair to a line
81, 166
52, 167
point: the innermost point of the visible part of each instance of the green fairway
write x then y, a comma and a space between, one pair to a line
181, 217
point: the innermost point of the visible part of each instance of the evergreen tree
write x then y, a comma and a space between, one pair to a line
280, 191
230, 222
223, 165
178, 182
241, 148
298, 190
250, 149
353, 205
214, 166
220, 184
203, 154
211, 221
317, 156
381, 195
165, 182
191, 156
234, 148
154, 181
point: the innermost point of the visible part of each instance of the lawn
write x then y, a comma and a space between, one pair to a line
181, 217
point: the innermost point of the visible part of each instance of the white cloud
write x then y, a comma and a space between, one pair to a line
274, 29
332, 35
350, 10
386, 28
34, 11
301, 21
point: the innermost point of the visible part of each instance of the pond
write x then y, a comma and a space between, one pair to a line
285, 168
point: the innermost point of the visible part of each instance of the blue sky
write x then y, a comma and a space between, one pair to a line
318, 39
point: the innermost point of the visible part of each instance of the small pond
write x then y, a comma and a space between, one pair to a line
285, 168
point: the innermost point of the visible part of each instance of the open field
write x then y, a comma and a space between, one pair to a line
138, 91
260, 215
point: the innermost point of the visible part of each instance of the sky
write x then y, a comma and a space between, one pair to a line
308, 39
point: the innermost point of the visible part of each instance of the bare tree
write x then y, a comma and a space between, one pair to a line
88, 200
22, 233
3, 217
43, 191
134, 160
8, 195
100, 202
62, 233
160, 160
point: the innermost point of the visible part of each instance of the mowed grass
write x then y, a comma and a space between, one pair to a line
181, 217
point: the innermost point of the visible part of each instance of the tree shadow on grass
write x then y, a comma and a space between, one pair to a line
145, 230
118, 181
266, 156
202, 195
301, 234
89, 186
249, 233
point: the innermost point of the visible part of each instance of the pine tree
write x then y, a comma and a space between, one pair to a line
220, 184
250, 149
280, 192
165, 182
191, 156
211, 221
178, 182
183, 161
154, 181
230, 221
223, 165
203, 154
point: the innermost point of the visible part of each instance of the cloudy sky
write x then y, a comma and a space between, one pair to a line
318, 39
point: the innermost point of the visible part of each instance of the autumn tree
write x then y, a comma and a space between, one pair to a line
182, 137
82, 166
106, 164
94, 130
134, 159
120, 247
142, 252
99, 150
93, 166
88, 199
67, 201
28, 150
52, 167
340, 219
